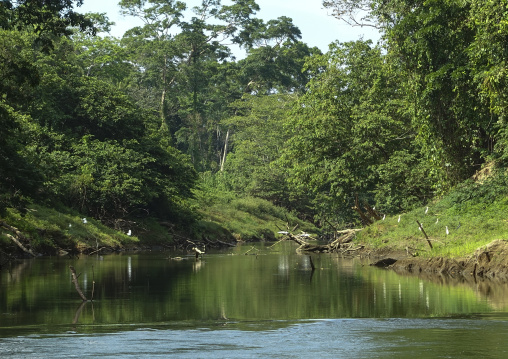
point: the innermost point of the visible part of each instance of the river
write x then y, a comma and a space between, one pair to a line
267, 303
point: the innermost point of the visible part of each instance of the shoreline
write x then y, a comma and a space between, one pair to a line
488, 262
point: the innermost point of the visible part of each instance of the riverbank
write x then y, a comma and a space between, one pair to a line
461, 234
489, 262
39, 230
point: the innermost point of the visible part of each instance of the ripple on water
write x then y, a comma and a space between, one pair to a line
340, 338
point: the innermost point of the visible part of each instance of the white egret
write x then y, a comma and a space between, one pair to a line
384, 216
129, 232
447, 231
426, 210
399, 218
437, 220
84, 221
283, 232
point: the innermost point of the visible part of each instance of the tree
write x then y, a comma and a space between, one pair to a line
350, 122
487, 54
275, 63
257, 139
47, 19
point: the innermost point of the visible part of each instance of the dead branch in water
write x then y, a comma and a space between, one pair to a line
346, 236
198, 252
76, 283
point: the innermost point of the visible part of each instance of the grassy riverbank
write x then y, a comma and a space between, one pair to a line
469, 217
49, 231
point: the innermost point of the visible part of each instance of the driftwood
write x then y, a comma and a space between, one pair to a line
76, 283
18, 238
307, 247
346, 236
198, 252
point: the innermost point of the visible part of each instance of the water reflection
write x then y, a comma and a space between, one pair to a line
129, 268
149, 288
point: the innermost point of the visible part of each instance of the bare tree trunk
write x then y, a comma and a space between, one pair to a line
76, 283
223, 161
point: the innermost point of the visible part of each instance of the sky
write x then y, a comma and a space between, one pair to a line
317, 26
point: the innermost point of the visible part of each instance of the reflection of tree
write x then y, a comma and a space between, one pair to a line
17, 271
79, 310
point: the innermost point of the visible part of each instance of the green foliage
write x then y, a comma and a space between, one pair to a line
50, 230
348, 130
116, 128
227, 214
46, 19
473, 212
19, 176
405, 182
487, 52
256, 140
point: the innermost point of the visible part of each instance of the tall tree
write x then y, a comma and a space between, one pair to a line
48, 19
257, 139
349, 123
430, 39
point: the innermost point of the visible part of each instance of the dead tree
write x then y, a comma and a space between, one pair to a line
19, 238
76, 283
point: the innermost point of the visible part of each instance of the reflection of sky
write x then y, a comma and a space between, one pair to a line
317, 27
129, 268
283, 264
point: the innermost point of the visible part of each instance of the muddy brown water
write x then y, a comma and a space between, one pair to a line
230, 305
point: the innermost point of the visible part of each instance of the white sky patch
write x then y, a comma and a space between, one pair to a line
318, 28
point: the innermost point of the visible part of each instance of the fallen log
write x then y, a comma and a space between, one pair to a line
347, 236
17, 237
20, 245
335, 246
307, 247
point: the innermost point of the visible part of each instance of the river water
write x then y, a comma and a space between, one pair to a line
268, 303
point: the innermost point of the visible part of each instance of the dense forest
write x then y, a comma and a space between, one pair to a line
165, 119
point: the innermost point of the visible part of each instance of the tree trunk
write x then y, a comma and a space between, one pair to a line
76, 283
223, 161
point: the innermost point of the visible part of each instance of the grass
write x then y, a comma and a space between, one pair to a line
51, 229
475, 214
219, 217
249, 219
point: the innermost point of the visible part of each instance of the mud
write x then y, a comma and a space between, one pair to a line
489, 262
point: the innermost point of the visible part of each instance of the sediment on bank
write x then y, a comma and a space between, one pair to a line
487, 262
